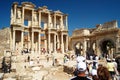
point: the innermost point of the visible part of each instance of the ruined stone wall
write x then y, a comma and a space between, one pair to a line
112, 24
4, 40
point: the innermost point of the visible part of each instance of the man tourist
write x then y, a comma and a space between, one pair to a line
81, 69
80, 59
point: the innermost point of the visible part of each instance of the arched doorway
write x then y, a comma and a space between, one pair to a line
107, 48
78, 48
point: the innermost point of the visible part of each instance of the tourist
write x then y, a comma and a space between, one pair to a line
28, 58
72, 57
90, 67
31, 62
100, 65
66, 59
81, 69
111, 68
53, 59
94, 73
47, 57
80, 59
115, 67
118, 68
103, 73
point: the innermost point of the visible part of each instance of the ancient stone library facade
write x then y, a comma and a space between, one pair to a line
38, 28
102, 40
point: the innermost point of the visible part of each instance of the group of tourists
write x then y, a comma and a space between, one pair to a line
93, 70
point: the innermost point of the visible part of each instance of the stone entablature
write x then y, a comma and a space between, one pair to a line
81, 32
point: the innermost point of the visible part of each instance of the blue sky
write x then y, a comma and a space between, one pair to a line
81, 13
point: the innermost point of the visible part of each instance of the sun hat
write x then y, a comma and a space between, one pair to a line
80, 59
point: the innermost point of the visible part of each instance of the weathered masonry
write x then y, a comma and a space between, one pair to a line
39, 28
102, 40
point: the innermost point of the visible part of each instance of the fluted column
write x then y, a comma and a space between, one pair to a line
13, 40
54, 42
23, 15
54, 20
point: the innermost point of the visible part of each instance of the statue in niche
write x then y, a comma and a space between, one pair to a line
19, 13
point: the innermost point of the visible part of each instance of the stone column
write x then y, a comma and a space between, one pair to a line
39, 19
22, 39
54, 20
22, 15
32, 43
12, 16
66, 23
49, 20
85, 47
58, 41
15, 8
13, 40
39, 43
32, 17
61, 22
62, 44
49, 42
29, 46
54, 42
45, 41
66, 42
117, 43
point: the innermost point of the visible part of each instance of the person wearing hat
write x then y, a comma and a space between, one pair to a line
80, 59
81, 69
